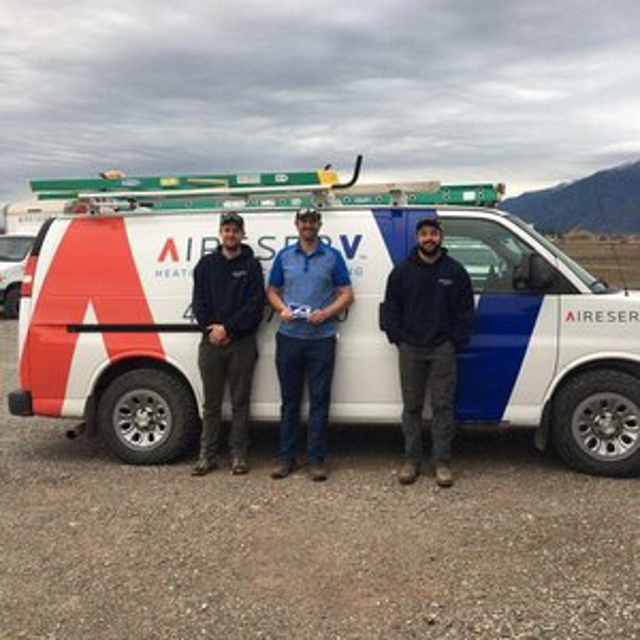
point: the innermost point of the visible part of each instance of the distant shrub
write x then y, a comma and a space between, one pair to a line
580, 235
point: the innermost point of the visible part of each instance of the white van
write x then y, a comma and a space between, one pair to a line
106, 332
13, 259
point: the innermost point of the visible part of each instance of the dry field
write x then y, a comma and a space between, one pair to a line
613, 261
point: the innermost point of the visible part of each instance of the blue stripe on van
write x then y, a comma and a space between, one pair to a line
392, 225
397, 227
489, 367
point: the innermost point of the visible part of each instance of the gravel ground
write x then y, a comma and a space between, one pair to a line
519, 548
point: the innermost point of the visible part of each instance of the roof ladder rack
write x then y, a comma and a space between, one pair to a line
259, 191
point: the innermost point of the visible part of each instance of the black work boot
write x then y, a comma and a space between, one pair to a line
409, 472
239, 466
285, 468
318, 471
443, 475
204, 466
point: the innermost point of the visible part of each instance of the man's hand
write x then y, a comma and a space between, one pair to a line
286, 315
318, 316
218, 335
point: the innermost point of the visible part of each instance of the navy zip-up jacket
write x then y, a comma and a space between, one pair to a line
229, 292
427, 304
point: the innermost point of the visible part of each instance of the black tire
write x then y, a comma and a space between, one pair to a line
148, 416
596, 423
12, 303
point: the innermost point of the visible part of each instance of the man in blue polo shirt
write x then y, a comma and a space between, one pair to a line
308, 286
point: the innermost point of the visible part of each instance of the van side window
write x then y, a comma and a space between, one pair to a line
496, 259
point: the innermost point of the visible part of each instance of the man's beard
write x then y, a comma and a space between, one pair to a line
430, 250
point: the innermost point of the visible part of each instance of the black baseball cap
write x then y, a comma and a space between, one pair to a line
428, 222
231, 217
308, 211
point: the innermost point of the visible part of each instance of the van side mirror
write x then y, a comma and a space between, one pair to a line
541, 273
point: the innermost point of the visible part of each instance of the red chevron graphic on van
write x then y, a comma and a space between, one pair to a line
93, 264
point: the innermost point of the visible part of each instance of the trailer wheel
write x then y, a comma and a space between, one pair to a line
12, 303
148, 416
596, 423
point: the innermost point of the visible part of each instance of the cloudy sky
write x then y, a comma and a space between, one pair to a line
526, 92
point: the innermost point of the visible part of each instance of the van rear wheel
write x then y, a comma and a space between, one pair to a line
596, 423
12, 303
148, 416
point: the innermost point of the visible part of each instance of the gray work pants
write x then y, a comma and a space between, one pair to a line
234, 363
435, 368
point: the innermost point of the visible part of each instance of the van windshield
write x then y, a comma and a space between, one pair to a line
597, 286
14, 248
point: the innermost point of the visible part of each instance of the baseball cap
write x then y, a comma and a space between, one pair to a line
231, 217
308, 211
428, 222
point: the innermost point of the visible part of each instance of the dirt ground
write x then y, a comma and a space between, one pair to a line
521, 547
617, 262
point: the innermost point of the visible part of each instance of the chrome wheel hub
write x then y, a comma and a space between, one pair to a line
142, 419
607, 426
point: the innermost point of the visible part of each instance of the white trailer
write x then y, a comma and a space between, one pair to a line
27, 216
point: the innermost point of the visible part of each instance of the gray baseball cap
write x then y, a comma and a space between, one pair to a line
231, 217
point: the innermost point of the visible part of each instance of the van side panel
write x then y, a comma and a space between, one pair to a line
366, 380
137, 270
93, 264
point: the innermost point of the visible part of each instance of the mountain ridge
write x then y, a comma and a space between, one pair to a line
607, 201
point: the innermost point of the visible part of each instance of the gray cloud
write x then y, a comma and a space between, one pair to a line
528, 93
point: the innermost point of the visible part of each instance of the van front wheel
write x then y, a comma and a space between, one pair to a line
147, 416
596, 423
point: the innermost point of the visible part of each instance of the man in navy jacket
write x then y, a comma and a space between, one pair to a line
228, 302
428, 314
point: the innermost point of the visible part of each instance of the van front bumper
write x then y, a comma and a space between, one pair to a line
20, 403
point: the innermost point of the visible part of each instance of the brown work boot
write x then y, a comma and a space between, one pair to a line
443, 474
409, 472
285, 468
239, 466
204, 466
318, 471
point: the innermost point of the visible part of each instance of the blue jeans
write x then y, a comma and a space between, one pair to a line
297, 359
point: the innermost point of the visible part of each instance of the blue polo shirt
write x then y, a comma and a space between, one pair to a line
309, 280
